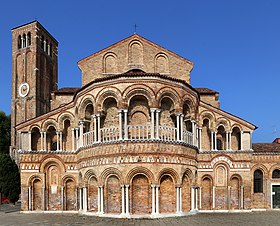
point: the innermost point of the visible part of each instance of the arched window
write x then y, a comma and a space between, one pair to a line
219, 144
19, 42
42, 42
258, 181
24, 41
276, 174
28, 39
46, 49
50, 53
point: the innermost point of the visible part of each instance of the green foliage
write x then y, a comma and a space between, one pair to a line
5, 133
9, 178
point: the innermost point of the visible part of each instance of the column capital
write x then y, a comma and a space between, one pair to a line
153, 109
158, 110
125, 110
127, 185
81, 122
120, 111
93, 116
73, 129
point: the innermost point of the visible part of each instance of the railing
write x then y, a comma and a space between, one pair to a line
188, 137
88, 138
167, 133
139, 132
110, 134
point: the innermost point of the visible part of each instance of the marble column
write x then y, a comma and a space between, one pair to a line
62, 197
29, 141
123, 199
85, 208
214, 198
153, 123
57, 141
126, 199
101, 199
153, 199
182, 127
73, 139
157, 199
81, 128
125, 124
120, 124
157, 123
81, 199
178, 126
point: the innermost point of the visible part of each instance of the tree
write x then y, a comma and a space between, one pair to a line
9, 178
5, 132
9, 172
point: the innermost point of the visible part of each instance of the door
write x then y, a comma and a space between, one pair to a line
276, 196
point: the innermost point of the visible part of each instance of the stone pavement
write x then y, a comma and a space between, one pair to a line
255, 218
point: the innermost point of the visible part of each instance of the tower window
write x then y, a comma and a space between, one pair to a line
24, 41
258, 181
19, 42
42, 42
50, 49
28, 39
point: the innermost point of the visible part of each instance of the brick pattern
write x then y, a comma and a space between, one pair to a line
113, 197
70, 195
167, 195
93, 195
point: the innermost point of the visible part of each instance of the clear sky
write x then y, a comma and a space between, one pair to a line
234, 44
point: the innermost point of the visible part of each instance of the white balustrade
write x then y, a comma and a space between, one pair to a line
188, 137
167, 133
88, 138
109, 134
139, 132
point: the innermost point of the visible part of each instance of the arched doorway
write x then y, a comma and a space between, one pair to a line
93, 194
70, 191
37, 195
206, 198
186, 194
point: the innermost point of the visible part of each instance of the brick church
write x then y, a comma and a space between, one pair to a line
135, 140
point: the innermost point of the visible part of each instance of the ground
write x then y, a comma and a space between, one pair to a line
10, 215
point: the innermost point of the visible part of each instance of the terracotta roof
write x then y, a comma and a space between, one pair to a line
266, 147
67, 90
206, 91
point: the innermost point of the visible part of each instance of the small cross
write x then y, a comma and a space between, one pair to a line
135, 28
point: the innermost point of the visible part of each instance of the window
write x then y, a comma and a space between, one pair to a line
50, 50
28, 39
276, 174
219, 144
19, 42
24, 41
42, 42
258, 181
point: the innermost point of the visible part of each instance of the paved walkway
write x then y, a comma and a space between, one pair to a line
255, 218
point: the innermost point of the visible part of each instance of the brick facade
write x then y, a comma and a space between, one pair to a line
135, 139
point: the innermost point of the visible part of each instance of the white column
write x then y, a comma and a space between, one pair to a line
178, 126
215, 140
77, 138
241, 140
29, 141
95, 128
157, 199
101, 200
45, 140
120, 124
242, 197
196, 198
81, 128
126, 199
123, 199
85, 198
214, 198
193, 132
73, 139
212, 140
177, 199
200, 198
199, 137
98, 128
42, 140
81, 199
192, 199
29, 198
60, 141
125, 124
180, 197
57, 141
62, 197
153, 199
98, 200
157, 123
153, 123
182, 127
229, 140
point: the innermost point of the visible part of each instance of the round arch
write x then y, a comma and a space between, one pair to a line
109, 172
139, 170
170, 172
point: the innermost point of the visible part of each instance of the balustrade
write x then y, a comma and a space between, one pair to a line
139, 132
167, 133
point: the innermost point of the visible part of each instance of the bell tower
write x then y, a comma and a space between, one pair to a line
34, 74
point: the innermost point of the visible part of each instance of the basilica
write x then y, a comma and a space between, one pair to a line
135, 140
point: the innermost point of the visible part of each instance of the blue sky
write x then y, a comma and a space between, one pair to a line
235, 45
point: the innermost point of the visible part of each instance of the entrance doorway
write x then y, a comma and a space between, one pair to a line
275, 196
